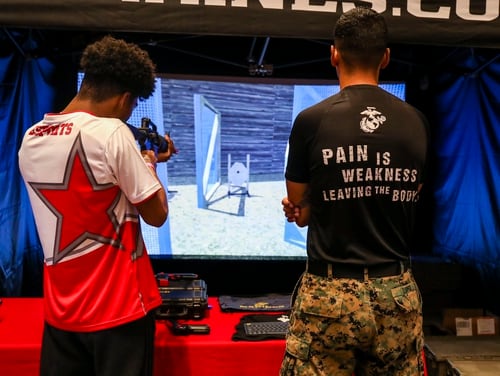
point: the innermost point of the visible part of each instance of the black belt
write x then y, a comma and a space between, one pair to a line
359, 272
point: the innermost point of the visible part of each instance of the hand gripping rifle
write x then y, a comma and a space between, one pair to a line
147, 136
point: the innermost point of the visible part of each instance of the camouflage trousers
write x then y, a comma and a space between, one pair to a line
345, 327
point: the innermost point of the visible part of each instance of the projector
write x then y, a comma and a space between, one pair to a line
260, 70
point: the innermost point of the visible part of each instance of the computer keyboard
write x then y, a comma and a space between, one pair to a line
266, 328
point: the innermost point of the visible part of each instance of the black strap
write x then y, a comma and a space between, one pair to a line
359, 272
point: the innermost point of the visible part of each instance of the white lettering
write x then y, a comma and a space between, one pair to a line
414, 174
355, 153
217, 3
386, 158
381, 190
490, 13
379, 174
368, 175
341, 158
327, 154
415, 8
359, 174
378, 5
404, 195
266, 4
362, 153
397, 174
389, 174
368, 191
340, 194
347, 193
348, 175
305, 5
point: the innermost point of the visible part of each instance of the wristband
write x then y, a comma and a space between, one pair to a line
152, 166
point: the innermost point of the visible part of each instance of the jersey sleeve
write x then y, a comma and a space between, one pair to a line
134, 177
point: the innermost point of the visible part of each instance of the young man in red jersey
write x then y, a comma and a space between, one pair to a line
89, 184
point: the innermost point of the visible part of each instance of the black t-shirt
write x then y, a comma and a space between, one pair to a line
363, 153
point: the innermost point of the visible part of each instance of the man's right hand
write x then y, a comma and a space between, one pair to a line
291, 211
149, 157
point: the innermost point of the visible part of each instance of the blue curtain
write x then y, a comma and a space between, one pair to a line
26, 94
467, 172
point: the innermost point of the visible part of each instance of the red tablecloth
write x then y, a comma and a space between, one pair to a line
21, 325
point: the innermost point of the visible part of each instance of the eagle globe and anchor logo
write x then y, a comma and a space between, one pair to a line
372, 119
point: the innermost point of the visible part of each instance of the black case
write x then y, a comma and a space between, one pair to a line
184, 296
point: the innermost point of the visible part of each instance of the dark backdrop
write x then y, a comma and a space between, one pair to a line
455, 86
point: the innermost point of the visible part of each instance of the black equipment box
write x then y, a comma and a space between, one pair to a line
452, 355
184, 296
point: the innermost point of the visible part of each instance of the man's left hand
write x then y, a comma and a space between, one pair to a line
166, 155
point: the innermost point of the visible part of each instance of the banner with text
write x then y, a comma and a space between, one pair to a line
473, 23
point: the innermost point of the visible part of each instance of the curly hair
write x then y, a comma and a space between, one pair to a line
361, 35
112, 66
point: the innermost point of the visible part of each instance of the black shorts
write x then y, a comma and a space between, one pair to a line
126, 350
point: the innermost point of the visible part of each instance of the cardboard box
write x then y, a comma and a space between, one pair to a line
470, 322
487, 325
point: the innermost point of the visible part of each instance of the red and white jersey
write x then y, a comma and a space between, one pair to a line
84, 174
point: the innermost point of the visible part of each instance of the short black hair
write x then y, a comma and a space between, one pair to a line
361, 35
112, 66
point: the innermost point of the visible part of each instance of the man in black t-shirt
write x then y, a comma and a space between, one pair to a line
355, 168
